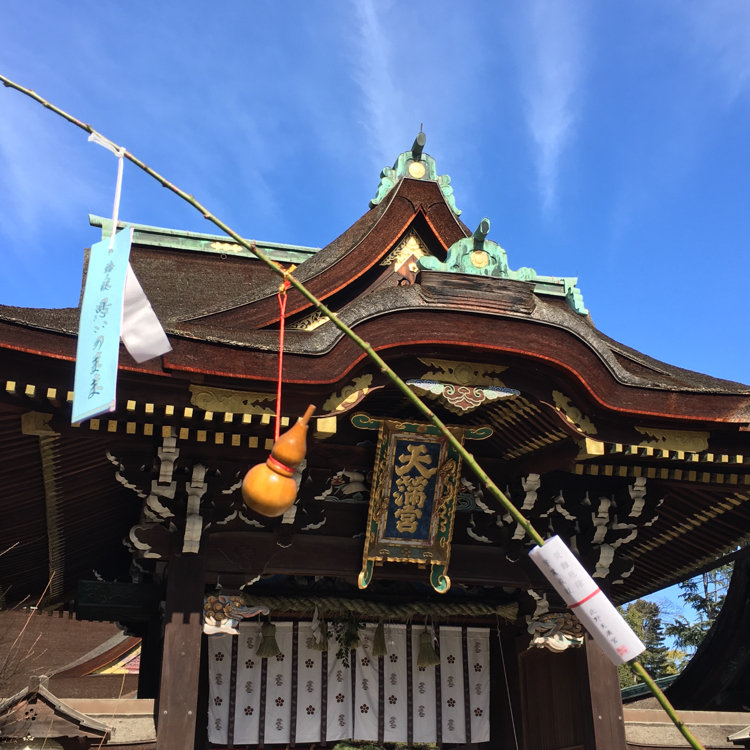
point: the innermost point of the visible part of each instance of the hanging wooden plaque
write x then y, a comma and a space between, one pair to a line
413, 500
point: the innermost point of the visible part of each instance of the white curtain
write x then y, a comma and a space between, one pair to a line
303, 694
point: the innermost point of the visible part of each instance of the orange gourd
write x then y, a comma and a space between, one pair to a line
269, 488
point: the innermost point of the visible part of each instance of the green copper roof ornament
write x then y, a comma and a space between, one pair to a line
416, 165
479, 256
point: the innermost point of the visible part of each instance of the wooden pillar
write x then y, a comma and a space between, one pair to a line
605, 727
150, 666
181, 654
201, 729
570, 700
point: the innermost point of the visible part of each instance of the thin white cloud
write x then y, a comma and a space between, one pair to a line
551, 83
256, 161
41, 178
721, 31
372, 63
408, 69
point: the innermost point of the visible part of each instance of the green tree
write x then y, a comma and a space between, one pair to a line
644, 618
705, 596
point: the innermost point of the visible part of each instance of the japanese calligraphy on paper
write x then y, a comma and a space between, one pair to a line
99, 327
581, 593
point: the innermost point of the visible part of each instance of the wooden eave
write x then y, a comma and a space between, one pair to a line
63, 515
707, 493
547, 344
101, 659
460, 335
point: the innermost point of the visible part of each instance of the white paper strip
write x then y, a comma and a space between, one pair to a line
366, 689
220, 661
395, 704
309, 683
248, 687
581, 593
99, 327
452, 685
141, 331
478, 649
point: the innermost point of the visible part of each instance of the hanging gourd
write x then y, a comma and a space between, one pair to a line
269, 488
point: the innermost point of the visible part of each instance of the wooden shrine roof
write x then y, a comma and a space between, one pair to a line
587, 413
207, 301
65, 650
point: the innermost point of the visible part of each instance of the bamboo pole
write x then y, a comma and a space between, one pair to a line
468, 458
364, 345
639, 670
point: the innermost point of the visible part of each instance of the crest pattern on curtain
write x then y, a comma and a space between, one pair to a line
306, 696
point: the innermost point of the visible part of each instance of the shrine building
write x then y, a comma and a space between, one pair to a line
394, 601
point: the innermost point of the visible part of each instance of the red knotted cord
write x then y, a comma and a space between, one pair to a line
282, 311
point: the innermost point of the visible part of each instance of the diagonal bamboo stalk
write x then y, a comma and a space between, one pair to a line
638, 669
468, 458
364, 345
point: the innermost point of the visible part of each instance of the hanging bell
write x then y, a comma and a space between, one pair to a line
269, 488
427, 656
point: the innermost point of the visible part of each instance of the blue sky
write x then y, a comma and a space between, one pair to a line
603, 140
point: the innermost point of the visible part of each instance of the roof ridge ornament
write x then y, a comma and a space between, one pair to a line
479, 256
416, 165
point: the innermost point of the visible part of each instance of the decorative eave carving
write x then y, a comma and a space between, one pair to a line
689, 441
350, 395
37, 423
222, 613
228, 400
573, 415
461, 387
478, 256
463, 373
461, 399
310, 322
29, 714
555, 631
411, 247
597, 519
170, 499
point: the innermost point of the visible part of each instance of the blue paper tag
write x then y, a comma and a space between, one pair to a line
98, 349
